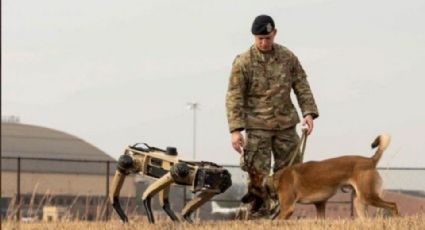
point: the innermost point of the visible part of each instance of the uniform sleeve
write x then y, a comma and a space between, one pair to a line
235, 97
302, 90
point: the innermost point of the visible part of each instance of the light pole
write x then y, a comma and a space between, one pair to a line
193, 106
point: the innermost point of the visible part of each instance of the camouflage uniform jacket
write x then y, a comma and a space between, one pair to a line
258, 95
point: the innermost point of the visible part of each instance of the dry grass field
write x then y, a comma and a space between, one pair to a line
408, 222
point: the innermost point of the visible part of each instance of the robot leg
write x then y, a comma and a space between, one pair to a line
114, 194
153, 189
195, 203
163, 199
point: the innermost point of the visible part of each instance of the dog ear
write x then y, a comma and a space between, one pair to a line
248, 198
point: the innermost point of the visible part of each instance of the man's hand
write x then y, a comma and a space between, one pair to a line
237, 141
308, 121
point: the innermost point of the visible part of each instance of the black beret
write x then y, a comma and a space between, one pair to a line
262, 25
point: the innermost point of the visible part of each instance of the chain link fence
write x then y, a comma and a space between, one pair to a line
82, 187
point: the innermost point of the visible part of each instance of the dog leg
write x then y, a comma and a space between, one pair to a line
287, 204
371, 187
320, 209
360, 207
286, 211
378, 202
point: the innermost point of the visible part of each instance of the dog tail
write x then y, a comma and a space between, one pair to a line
382, 142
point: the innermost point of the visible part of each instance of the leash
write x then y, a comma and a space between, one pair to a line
275, 206
300, 147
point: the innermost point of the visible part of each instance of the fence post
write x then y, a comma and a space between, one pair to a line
184, 196
18, 190
107, 191
351, 203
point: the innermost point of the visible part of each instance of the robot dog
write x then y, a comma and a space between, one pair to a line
207, 179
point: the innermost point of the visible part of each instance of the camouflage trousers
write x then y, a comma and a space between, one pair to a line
256, 159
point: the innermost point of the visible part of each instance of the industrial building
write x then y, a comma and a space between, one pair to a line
56, 169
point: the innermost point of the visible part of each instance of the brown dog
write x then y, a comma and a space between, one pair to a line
314, 182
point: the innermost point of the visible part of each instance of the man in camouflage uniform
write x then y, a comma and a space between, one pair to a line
258, 101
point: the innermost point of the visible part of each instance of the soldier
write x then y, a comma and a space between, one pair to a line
258, 102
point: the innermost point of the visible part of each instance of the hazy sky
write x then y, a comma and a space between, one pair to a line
118, 72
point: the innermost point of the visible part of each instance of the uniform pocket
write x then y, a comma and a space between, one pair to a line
250, 148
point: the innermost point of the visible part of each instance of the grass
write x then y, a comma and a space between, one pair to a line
408, 222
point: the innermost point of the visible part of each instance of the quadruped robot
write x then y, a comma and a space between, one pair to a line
206, 179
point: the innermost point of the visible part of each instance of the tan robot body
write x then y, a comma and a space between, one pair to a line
205, 178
